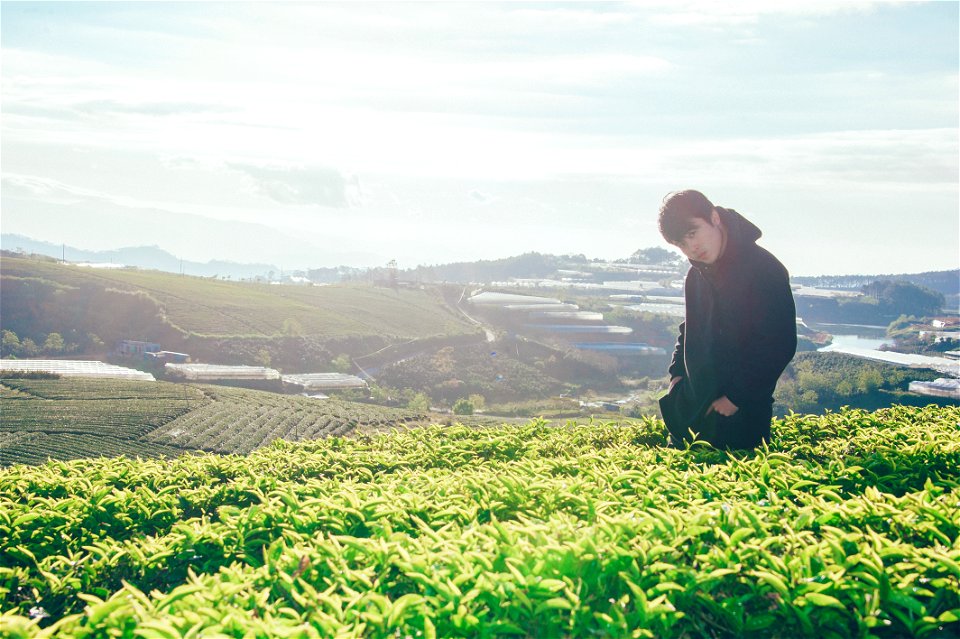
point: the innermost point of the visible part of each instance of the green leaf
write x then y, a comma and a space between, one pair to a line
820, 599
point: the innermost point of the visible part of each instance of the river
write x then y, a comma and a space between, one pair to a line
853, 336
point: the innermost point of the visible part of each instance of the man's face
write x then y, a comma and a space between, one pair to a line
704, 242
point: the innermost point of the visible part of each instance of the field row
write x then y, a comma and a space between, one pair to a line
38, 447
61, 418
103, 389
240, 421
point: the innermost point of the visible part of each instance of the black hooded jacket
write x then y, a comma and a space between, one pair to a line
740, 329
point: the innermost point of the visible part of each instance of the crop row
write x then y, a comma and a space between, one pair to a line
155, 418
38, 447
242, 421
103, 389
848, 527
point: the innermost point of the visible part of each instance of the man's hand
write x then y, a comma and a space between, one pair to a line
674, 382
723, 406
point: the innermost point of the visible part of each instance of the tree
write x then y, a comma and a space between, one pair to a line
463, 407
419, 402
28, 348
899, 297
262, 357
54, 343
478, 401
869, 380
656, 255
342, 364
10, 344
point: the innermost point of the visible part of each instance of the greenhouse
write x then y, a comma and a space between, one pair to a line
73, 368
583, 316
324, 381
500, 299
220, 371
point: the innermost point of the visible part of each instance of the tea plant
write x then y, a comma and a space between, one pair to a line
847, 526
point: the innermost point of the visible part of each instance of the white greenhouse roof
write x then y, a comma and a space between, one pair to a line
74, 368
587, 316
940, 387
325, 380
510, 298
220, 371
541, 307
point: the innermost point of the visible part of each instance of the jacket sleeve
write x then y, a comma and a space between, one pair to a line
677, 369
767, 338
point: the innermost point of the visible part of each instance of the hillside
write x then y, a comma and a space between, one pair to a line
209, 307
815, 382
846, 527
298, 327
74, 418
946, 282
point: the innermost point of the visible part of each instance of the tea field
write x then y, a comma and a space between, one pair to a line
73, 418
210, 307
847, 526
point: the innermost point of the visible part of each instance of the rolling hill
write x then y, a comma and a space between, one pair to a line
298, 327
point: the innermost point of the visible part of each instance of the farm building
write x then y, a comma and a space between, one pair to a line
211, 372
945, 322
324, 381
940, 336
73, 368
133, 348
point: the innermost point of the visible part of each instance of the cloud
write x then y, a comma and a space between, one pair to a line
106, 107
309, 186
48, 189
480, 197
700, 13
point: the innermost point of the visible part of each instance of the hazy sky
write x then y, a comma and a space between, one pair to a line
318, 134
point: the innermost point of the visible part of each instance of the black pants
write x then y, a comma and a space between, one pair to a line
747, 428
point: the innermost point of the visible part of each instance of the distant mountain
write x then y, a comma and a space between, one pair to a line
946, 282
148, 257
642, 265
528, 265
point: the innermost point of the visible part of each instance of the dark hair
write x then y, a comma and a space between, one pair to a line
678, 210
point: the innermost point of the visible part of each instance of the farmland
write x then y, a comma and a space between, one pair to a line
847, 526
209, 307
72, 418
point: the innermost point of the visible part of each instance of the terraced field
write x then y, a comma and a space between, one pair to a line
72, 418
847, 527
240, 421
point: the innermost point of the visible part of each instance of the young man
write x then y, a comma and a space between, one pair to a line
740, 329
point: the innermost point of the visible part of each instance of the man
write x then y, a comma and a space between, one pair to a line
740, 328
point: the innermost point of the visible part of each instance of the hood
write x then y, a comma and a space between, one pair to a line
741, 232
